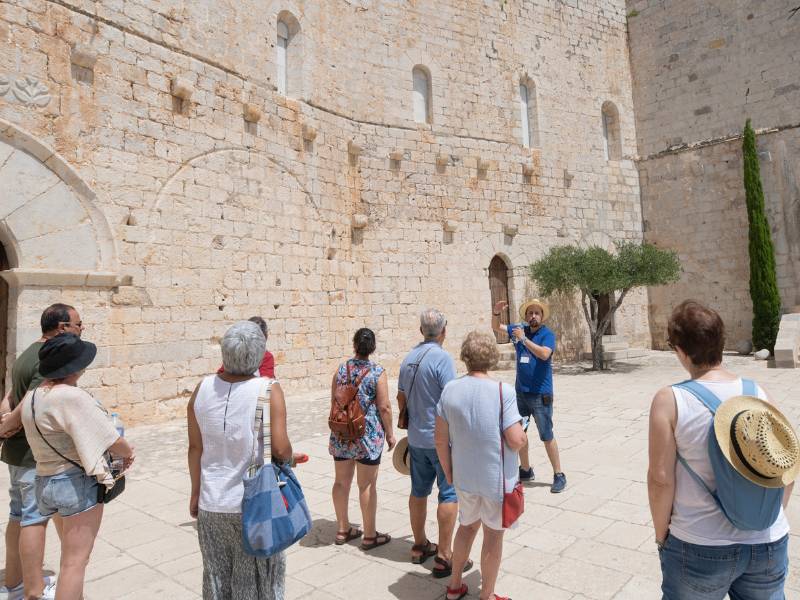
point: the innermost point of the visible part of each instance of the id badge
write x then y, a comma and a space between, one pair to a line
524, 359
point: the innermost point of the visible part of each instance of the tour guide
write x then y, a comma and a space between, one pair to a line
535, 344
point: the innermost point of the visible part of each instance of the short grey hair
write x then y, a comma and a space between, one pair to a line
243, 347
431, 323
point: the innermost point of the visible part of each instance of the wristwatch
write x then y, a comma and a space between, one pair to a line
496, 314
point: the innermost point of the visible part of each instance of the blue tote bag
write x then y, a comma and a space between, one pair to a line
274, 510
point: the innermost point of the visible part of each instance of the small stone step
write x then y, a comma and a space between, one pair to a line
615, 355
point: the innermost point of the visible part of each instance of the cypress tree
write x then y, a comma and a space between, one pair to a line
763, 280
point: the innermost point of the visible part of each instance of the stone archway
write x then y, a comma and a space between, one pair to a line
52, 234
47, 209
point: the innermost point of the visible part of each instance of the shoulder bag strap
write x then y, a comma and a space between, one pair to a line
41, 435
261, 431
749, 388
414, 377
702, 393
502, 445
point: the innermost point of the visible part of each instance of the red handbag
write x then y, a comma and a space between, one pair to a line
513, 501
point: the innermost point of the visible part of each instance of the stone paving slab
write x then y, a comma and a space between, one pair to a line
594, 541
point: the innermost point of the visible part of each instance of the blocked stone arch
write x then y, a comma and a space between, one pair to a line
597, 238
58, 244
49, 220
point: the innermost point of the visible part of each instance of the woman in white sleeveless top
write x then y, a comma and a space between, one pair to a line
221, 416
703, 556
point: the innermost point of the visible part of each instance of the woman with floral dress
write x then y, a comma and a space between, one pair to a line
362, 457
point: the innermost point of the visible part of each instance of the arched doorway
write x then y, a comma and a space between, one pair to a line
498, 287
3, 322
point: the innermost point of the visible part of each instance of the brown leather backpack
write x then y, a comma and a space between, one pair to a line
347, 418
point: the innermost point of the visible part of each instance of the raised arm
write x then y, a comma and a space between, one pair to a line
498, 309
662, 457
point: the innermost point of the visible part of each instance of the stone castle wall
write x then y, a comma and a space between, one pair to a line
701, 69
183, 217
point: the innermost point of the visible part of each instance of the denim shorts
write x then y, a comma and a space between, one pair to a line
425, 468
23, 506
533, 405
67, 493
692, 572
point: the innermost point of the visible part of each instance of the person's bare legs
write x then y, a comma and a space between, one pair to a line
418, 512
13, 572
446, 515
31, 555
524, 459
345, 469
462, 545
77, 540
491, 553
552, 454
367, 478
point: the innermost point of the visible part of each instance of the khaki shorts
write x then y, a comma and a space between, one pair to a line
473, 508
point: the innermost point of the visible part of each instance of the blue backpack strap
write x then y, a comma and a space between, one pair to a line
702, 393
749, 388
696, 477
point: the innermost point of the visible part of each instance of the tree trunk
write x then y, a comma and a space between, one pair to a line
598, 364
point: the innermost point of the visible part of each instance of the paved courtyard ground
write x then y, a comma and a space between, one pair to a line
592, 541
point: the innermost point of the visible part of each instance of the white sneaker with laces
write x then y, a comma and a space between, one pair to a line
14, 593
49, 592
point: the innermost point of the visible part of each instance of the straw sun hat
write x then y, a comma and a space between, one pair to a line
534, 302
758, 441
401, 458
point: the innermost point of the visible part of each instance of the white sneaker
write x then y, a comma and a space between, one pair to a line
49, 592
14, 593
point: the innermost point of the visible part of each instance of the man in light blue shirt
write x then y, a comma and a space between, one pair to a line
423, 374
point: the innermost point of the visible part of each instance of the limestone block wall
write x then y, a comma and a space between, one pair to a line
700, 69
216, 218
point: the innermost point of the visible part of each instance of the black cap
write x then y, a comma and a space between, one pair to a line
64, 355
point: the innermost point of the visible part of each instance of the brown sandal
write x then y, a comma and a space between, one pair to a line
428, 549
380, 539
342, 537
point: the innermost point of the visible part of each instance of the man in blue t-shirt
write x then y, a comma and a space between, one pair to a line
535, 344
423, 374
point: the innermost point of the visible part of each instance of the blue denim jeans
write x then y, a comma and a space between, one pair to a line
67, 493
744, 571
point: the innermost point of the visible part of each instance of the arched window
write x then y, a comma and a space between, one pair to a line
422, 94
289, 56
612, 139
528, 114
281, 58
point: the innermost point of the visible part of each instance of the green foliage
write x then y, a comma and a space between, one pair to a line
594, 270
633, 13
763, 280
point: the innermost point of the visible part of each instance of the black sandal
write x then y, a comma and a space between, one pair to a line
342, 537
380, 539
447, 569
428, 549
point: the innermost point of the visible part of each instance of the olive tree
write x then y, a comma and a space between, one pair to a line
594, 271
